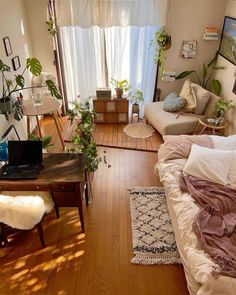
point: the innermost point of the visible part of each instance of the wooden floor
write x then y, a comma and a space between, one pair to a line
97, 262
112, 135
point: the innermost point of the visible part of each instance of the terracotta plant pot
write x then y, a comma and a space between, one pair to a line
119, 92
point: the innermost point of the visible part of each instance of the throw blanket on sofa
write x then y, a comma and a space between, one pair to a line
215, 224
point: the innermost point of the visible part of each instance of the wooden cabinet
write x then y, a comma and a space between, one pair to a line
111, 111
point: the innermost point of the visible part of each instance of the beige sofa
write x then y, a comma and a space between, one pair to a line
167, 123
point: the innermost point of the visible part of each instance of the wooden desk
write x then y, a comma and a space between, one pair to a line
49, 105
63, 175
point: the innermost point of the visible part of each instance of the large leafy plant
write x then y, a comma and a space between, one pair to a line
83, 138
9, 86
205, 76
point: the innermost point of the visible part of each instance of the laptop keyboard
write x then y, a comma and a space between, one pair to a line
19, 169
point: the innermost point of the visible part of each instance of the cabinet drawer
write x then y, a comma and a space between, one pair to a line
65, 199
25, 187
63, 187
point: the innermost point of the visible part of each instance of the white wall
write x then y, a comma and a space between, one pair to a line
187, 20
41, 41
228, 75
12, 22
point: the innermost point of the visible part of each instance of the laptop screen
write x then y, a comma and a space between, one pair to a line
25, 152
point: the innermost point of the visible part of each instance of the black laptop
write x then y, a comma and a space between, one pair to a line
24, 160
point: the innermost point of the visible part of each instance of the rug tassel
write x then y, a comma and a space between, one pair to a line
139, 259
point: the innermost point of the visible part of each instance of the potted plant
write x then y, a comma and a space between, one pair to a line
162, 42
205, 76
8, 103
120, 86
83, 141
136, 98
46, 140
221, 106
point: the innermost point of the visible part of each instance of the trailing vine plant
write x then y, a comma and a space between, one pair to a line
162, 42
83, 141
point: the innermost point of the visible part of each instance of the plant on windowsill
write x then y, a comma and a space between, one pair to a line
162, 42
120, 86
83, 141
205, 76
8, 103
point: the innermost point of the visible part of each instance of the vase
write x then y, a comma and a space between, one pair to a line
37, 99
6, 105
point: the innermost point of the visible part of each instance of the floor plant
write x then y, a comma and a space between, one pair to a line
83, 141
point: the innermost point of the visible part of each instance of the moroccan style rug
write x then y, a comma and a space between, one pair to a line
139, 130
152, 233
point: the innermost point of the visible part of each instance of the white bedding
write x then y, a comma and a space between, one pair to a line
197, 264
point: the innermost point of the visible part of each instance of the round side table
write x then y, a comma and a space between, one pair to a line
49, 106
203, 121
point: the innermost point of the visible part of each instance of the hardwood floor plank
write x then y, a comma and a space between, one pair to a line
98, 261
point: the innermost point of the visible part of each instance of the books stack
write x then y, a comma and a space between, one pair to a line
211, 33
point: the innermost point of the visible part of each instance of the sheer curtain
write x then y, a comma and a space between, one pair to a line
128, 54
83, 56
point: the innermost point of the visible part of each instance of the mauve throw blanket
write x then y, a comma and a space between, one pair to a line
215, 224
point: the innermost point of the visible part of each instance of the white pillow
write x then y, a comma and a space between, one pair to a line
224, 143
232, 172
209, 164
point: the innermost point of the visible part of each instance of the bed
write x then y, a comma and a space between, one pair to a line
182, 208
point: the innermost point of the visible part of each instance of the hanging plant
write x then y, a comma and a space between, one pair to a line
51, 26
162, 42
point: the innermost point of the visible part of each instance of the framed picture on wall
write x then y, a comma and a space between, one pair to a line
16, 63
228, 40
7, 45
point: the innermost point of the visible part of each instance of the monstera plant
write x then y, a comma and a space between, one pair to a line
8, 103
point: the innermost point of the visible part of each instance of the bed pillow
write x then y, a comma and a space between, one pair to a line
187, 94
202, 97
232, 172
224, 143
209, 164
179, 146
173, 103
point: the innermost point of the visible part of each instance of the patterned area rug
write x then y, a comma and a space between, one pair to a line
152, 232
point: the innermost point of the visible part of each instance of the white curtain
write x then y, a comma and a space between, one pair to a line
107, 13
128, 53
83, 56
130, 56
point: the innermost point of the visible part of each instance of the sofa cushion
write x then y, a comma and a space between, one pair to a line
169, 123
173, 103
202, 97
187, 94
